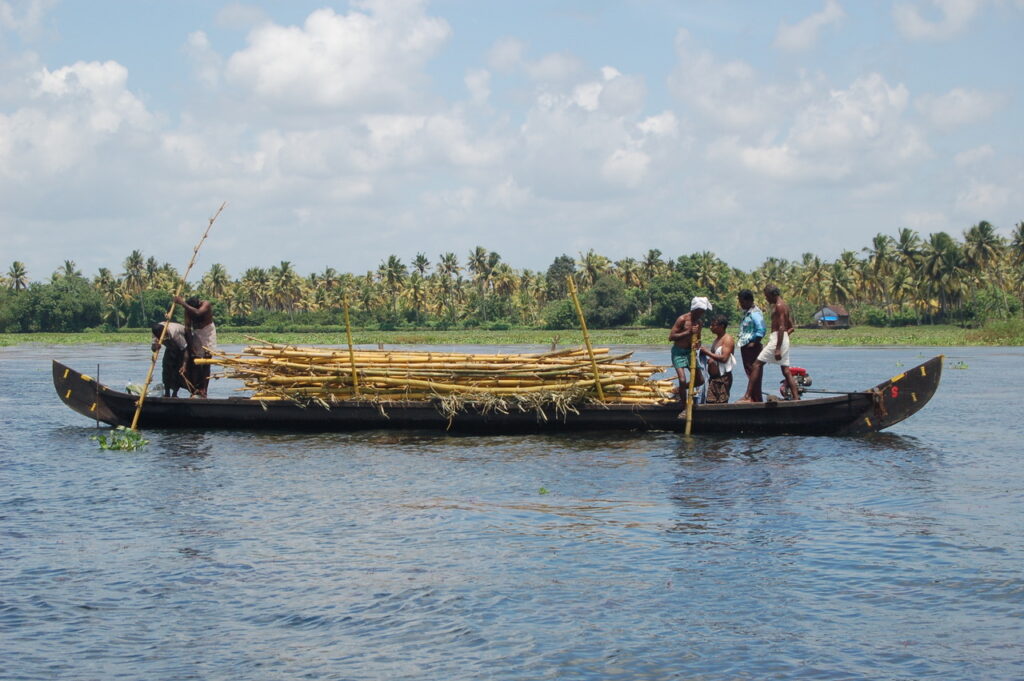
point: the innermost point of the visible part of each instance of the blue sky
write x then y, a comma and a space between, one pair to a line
342, 132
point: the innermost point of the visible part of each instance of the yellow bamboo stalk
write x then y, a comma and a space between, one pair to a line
586, 336
694, 343
351, 351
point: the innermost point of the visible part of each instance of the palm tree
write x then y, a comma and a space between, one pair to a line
942, 270
908, 246
134, 280
592, 266
447, 271
421, 264
651, 266
710, 271
983, 256
392, 274
629, 271
285, 287
216, 282
67, 271
17, 276
881, 258
1017, 244
813, 278
416, 293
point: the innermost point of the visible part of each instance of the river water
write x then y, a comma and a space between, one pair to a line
384, 555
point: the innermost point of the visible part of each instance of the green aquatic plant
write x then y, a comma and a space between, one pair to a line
121, 439
543, 490
959, 365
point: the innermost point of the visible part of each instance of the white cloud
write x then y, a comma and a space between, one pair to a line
208, 65
837, 134
239, 16
983, 199
726, 94
626, 167
973, 156
332, 61
958, 107
804, 34
506, 55
664, 124
73, 110
478, 83
955, 15
29, 21
924, 220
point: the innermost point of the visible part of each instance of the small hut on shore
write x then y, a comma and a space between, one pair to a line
832, 317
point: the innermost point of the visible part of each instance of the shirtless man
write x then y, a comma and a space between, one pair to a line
199, 322
721, 361
681, 337
777, 349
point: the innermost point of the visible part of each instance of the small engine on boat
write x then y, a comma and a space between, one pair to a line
803, 382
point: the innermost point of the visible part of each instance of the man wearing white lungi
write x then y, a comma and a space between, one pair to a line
203, 339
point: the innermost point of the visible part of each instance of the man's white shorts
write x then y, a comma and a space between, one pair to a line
767, 355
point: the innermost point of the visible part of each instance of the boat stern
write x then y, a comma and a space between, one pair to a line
82, 393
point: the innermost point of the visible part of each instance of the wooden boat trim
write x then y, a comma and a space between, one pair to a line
853, 413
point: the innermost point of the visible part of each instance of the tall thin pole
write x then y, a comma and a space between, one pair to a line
694, 344
170, 315
586, 338
351, 352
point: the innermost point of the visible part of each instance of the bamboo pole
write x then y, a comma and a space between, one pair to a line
351, 351
586, 337
170, 315
694, 343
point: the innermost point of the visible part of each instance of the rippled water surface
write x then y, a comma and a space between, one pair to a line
382, 555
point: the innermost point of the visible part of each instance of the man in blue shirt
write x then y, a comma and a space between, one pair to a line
752, 330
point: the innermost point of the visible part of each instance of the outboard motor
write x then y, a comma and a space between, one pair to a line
803, 382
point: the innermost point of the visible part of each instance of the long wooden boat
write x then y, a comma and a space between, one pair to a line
851, 413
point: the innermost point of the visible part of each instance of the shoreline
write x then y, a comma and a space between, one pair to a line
1007, 334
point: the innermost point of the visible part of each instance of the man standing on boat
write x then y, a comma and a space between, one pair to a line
721, 361
681, 337
199, 322
777, 350
749, 342
175, 356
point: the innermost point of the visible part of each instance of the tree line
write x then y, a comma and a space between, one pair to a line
898, 279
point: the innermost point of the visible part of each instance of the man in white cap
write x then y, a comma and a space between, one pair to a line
681, 336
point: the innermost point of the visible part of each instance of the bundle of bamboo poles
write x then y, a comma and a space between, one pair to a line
324, 375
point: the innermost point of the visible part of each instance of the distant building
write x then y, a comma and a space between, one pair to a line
832, 317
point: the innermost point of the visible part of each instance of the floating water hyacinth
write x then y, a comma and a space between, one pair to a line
121, 439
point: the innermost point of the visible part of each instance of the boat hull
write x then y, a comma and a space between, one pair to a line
852, 413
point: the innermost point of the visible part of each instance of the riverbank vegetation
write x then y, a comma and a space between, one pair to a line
940, 335
934, 290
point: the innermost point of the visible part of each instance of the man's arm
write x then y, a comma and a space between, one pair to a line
778, 323
680, 330
724, 351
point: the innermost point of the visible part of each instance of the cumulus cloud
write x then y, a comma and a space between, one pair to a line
29, 20
983, 198
726, 93
74, 109
360, 59
955, 16
958, 107
804, 34
207, 64
834, 134
973, 156
478, 83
